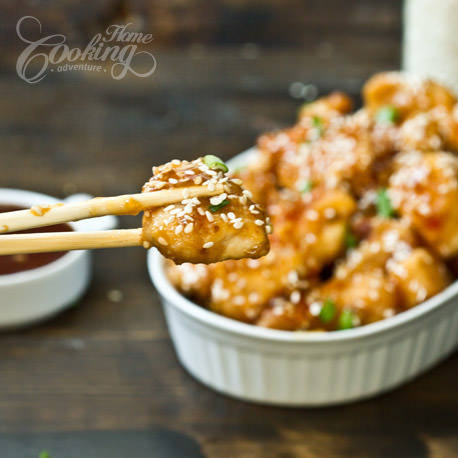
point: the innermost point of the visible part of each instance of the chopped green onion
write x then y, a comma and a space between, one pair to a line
350, 239
308, 186
328, 311
383, 203
346, 319
215, 208
317, 123
387, 115
44, 454
215, 163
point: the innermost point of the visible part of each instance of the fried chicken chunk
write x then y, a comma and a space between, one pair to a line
424, 189
228, 225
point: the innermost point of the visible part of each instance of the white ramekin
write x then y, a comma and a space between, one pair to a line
306, 368
33, 295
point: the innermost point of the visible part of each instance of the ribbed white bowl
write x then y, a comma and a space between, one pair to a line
306, 368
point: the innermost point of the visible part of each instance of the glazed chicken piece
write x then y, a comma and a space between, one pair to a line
384, 275
328, 107
409, 95
309, 233
341, 157
206, 229
424, 189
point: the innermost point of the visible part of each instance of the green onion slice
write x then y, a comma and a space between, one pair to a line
308, 186
215, 163
346, 319
383, 204
215, 208
387, 115
350, 239
328, 311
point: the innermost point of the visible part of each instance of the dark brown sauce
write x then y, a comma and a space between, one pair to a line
11, 264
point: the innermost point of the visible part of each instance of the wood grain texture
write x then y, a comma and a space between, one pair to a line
102, 380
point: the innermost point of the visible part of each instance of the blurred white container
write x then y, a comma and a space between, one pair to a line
430, 46
30, 296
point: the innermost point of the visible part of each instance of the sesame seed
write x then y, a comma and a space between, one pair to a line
231, 215
189, 227
162, 241
259, 222
189, 172
207, 245
178, 229
209, 216
311, 215
247, 193
173, 181
224, 217
238, 300
295, 297
170, 207
238, 225
197, 180
315, 308
201, 211
237, 181
175, 162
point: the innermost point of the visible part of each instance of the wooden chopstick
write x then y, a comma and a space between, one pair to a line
65, 241
129, 204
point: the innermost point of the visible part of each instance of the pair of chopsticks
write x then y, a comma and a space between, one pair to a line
130, 204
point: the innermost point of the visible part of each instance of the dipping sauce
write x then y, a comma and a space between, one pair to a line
11, 264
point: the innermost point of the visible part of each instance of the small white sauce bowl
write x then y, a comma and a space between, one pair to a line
33, 295
306, 368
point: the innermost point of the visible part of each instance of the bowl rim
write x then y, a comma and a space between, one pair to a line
155, 264
23, 197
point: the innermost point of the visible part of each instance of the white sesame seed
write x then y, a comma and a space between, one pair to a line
223, 217
238, 300
162, 241
311, 215
197, 180
201, 211
231, 215
237, 181
315, 308
238, 225
247, 193
189, 227
207, 245
295, 297
178, 229
173, 181
209, 216
170, 207
189, 172
259, 222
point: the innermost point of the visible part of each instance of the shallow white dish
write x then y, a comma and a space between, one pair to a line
306, 368
33, 295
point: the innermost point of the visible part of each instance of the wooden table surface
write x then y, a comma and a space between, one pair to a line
101, 380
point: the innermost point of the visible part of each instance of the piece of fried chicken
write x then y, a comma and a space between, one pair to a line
206, 229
